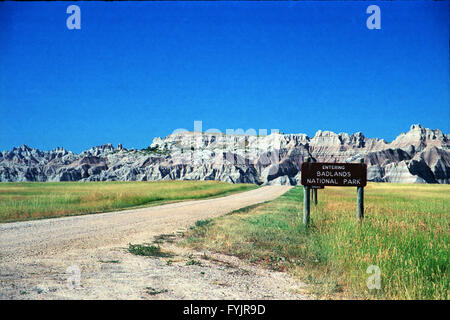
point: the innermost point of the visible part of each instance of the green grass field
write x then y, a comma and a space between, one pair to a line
405, 233
33, 200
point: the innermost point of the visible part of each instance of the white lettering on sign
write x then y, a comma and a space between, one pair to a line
333, 167
344, 174
321, 181
352, 181
349, 182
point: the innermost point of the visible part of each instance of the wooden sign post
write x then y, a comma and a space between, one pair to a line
360, 199
314, 193
306, 205
320, 174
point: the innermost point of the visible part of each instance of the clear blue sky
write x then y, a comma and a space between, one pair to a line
139, 70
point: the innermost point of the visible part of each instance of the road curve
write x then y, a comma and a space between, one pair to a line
50, 236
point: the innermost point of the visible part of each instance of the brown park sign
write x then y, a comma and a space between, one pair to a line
334, 174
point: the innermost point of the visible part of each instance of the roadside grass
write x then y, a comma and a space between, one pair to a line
193, 262
201, 223
405, 233
37, 200
148, 250
109, 261
152, 291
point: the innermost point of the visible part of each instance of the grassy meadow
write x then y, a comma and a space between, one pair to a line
35, 200
405, 233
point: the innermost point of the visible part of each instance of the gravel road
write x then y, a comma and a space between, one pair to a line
85, 257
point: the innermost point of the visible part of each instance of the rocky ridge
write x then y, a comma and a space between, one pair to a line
421, 155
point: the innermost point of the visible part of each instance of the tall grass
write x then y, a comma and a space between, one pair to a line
405, 233
32, 200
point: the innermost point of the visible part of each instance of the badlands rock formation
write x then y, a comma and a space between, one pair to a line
418, 156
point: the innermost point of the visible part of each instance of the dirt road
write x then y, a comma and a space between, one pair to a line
85, 257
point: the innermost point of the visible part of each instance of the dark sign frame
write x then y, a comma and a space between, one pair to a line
317, 175
334, 174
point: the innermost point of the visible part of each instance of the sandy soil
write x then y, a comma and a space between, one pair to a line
86, 257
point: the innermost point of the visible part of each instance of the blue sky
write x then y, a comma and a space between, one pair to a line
139, 70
